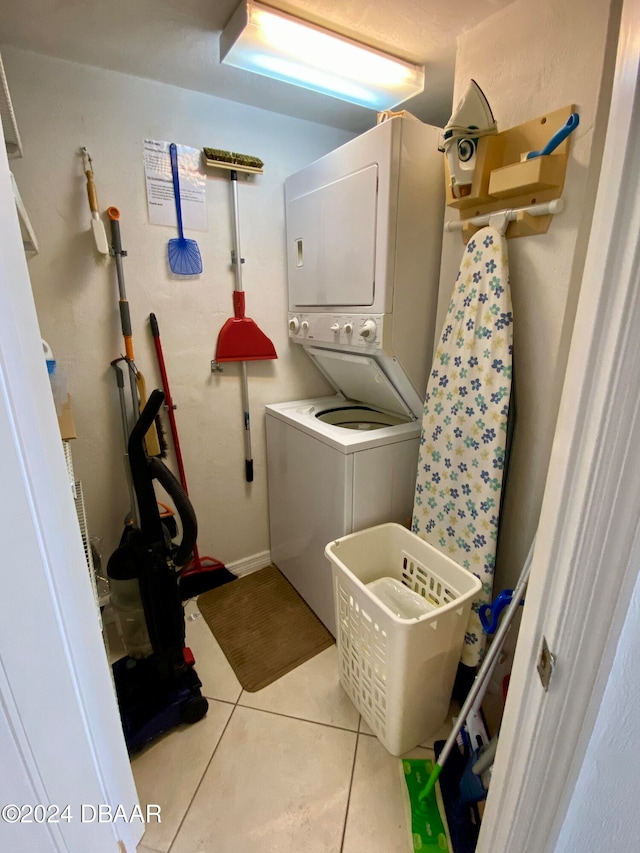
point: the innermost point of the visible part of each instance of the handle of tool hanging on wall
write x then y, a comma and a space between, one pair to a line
92, 192
138, 385
125, 318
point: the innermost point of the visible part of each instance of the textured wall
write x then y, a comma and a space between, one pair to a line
530, 59
62, 106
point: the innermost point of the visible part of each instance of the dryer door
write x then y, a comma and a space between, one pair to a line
331, 236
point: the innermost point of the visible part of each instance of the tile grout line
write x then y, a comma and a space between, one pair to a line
301, 719
150, 849
223, 701
346, 812
275, 714
186, 812
184, 817
237, 704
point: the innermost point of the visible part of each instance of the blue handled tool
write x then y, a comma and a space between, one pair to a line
184, 254
572, 122
480, 682
490, 613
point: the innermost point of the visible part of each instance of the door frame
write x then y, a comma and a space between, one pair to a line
585, 562
59, 716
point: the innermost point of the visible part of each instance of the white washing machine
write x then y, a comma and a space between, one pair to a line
336, 465
364, 231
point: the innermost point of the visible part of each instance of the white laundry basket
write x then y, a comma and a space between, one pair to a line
398, 672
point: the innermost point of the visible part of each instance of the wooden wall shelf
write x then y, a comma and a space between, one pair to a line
502, 178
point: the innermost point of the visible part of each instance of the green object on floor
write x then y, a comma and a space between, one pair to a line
428, 830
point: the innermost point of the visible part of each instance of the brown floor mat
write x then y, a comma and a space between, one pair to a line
263, 626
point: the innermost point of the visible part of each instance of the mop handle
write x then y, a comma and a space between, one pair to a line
125, 318
233, 177
486, 668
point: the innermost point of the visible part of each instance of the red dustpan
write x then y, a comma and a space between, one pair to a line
240, 339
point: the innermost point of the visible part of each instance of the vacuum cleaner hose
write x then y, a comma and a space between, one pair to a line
170, 483
144, 469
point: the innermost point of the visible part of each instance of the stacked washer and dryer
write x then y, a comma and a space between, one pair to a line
364, 233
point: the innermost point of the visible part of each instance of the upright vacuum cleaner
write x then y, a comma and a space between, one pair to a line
156, 684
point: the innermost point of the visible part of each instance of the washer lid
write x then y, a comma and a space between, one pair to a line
360, 378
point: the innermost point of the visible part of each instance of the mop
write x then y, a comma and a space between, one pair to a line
424, 804
155, 441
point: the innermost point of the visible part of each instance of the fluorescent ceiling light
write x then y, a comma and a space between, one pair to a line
269, 42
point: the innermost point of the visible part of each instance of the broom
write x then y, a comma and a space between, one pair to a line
240, 339
202, 573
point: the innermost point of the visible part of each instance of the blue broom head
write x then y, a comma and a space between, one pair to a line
184, 256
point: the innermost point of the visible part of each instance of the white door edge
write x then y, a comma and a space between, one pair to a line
59, 712
586, 558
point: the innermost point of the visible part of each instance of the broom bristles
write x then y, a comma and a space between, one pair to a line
233, 158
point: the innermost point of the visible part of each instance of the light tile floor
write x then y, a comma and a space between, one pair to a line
289, 768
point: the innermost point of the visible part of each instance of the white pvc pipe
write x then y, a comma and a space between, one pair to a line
549, 207
484, 672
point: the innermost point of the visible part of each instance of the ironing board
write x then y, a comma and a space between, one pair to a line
464, 425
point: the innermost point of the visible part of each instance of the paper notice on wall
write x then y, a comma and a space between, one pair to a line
160, 196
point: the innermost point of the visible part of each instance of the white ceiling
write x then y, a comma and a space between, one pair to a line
177, 42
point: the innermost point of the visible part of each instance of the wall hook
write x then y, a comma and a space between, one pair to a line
500, 220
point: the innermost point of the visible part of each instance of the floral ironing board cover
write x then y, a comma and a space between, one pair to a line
464, 425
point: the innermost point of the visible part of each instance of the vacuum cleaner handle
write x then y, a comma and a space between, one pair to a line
144, 470
170, 483
146, 419
150, 522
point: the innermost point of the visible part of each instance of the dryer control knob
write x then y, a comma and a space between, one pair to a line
294, 325
304, 325
368, 330
335, 327
348, 328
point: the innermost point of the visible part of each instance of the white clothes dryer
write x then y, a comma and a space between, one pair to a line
364, 231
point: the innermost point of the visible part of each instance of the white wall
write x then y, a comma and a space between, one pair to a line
604, 805
529, 59
61, 106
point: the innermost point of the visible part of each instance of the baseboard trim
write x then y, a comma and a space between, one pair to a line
250, 564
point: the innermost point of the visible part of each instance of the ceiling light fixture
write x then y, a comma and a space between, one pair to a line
269, 42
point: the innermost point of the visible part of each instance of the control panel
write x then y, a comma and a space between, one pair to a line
343, 330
